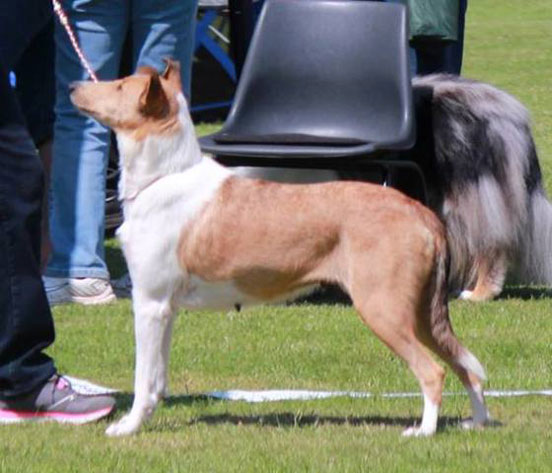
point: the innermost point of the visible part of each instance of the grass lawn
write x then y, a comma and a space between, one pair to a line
319, 346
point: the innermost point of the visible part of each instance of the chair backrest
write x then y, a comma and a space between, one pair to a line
326, 72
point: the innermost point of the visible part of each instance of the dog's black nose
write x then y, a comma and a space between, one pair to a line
73, 86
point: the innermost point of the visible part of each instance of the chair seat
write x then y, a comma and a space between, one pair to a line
287, 139
284, 146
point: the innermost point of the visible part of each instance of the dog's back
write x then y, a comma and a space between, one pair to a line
296, 235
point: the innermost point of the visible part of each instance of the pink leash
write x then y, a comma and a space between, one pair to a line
65, 22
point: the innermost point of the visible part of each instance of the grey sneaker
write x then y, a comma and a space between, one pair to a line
87, 291
55, 401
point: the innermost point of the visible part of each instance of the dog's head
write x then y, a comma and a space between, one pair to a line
142, 104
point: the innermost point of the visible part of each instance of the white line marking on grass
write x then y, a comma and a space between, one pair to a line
273, 395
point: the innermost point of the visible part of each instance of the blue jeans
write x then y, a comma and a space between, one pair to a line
26, 325
160, 28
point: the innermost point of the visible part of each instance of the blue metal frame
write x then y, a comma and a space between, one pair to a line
203, 39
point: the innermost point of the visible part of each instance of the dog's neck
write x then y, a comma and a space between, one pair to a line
146, 161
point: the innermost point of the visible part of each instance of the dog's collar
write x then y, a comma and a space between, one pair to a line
134, 195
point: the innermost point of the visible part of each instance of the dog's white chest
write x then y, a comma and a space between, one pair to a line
200, 294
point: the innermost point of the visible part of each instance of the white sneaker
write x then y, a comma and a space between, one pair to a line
87, 291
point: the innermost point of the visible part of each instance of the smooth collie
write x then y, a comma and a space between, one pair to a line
196, 235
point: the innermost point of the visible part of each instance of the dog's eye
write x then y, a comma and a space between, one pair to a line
120, 87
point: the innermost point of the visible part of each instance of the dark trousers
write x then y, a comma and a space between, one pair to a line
36, 88
436, 57
443, 58
26, 325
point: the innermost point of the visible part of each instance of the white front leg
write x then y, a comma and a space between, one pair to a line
152, 325
162, 384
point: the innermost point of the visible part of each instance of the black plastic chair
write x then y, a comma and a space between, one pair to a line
325, 85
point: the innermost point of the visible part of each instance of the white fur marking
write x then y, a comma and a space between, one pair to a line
479, 410
429, 421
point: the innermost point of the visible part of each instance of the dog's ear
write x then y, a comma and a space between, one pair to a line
172, 73
153, 101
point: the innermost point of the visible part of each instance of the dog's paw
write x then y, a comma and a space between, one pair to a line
466, 295
126, 426
415, 431
478, 295
470, 424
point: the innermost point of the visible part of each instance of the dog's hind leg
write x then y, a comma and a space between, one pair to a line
437, 334
491, 273
394, 323
153, 323
480, 414
465, 366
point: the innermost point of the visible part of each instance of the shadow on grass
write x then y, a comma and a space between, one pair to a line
276, 419
526, 293
290, 419
326, 294
124, 400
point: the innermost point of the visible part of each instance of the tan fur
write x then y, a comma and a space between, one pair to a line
295, 235
387, 251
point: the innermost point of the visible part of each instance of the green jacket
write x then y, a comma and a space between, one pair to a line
433, 20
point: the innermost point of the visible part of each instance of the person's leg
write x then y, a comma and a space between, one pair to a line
26, 326
454, 52
445, 57
81, 144
430, 58
30, 388
36, 98
35, 86
164, 29
45, 153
